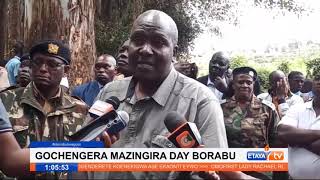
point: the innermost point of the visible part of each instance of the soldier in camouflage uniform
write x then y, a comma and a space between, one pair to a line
250, 122
42, 111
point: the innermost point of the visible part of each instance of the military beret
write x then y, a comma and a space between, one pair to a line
245, 70
52, 48
25, 57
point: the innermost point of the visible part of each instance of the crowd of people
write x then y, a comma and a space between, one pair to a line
227, 105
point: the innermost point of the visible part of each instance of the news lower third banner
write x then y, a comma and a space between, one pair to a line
87, 157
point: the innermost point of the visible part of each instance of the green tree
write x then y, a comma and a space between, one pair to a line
114, 27
313, 68
264, 78
238, 61
284, 66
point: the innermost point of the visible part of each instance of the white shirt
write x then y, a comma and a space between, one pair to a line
213, 88
4, 81
283, 107
303, 164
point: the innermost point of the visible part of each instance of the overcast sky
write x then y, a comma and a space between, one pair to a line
258, 28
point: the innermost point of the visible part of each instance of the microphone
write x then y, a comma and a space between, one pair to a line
100, 107
184, 134
111, 122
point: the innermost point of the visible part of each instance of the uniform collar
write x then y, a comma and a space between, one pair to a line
33, 97
41, 98
254, 103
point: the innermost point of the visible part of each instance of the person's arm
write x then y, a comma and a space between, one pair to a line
284, 106
210, 122
314, 147
296, 136
16, 71
290, 133
14, 160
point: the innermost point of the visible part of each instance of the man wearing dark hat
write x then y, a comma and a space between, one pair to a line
42, 111
250, 122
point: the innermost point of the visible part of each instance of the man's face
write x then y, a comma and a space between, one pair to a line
24, 73
276, 78
122, 58
296, 83
47, 71
218, 66
243, 86
150, 50
104, 69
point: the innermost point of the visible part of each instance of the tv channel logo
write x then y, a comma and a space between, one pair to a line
265, 155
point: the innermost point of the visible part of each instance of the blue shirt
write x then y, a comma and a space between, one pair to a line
13, 69
87, 92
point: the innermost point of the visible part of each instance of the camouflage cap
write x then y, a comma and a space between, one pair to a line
245, 70
53, 48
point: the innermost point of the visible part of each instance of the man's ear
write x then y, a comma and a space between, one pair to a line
175, 51
66, 69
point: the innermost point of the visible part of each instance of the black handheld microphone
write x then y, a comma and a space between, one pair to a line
184, 134
100, 107
111, 122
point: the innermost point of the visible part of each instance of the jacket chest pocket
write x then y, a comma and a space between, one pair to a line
20, 127
71, 123
255, 129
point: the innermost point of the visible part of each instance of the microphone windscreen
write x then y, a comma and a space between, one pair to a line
124, 116
114, 101
173, 120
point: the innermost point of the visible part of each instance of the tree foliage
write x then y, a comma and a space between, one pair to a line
284, 67
111, 32
238, 61
264, 78
313, 68
191, 16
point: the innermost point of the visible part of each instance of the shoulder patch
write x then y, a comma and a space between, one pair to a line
269, 104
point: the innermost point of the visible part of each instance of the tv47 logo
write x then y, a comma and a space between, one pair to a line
265, 155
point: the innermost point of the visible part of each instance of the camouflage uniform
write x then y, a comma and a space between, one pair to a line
35, 119
253, 128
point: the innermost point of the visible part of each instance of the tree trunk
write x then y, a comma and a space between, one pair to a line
82, 40
69, 20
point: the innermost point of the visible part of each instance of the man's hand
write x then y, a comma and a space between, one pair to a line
220, 84
107, 139
282, 89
